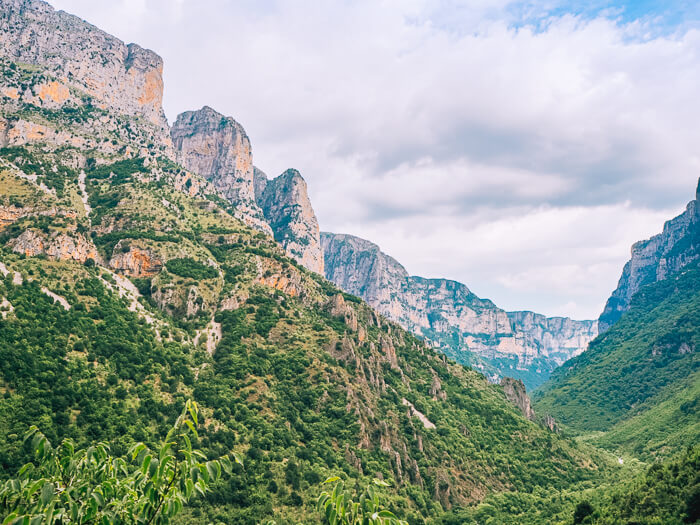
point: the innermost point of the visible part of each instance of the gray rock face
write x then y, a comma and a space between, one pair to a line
471, 330
559, 338
287, 208
514, 389
655, 259
217, 148
121, 78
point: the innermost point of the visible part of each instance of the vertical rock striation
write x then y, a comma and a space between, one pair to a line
217, 148
655, 259
471, 330
121, 78
287, 208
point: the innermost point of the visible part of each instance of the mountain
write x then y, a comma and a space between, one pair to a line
638, 382
128, 79
287, 207
217, 148
471, 330
654, 259
131, 283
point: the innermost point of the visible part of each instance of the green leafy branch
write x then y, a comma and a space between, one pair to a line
338, 508
92, 487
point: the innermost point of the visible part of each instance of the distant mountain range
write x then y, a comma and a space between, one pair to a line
471, 330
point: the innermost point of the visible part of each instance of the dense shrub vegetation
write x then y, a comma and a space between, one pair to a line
651, 350
189, 268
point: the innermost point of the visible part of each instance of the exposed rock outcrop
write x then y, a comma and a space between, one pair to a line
62, 246
514, 389
471, 330
119, 77
655, 259
287, 208
217, 148
135, 262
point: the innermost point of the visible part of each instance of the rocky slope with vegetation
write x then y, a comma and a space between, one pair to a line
131, 284
217, 148
471, 330
639, 381
655, 259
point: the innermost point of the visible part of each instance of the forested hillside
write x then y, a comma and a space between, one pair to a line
639, 380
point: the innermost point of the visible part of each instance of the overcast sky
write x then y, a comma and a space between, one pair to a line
518, 147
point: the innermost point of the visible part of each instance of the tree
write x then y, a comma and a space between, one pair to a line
90, 486
338, 508
583, 510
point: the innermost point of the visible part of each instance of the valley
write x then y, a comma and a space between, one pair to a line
148, 269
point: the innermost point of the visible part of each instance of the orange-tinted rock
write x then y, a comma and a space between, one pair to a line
63, 246
9, 214
53, 92
136, 263
122, 78
77, 248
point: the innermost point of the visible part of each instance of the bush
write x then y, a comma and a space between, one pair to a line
189, 268
583, 510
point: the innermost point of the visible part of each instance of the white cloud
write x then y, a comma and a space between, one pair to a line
523, 162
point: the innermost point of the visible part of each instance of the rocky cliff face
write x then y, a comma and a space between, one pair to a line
218, 148
655, 259
121, 78
514, 389
62, 246
467, 328
559, 338
287, 208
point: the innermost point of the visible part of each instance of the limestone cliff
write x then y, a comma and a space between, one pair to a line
217, 148
287, 208
467, 328
119, 77
58, 246
655, 259
558, 338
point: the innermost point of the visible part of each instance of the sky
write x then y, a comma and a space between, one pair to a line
519, 147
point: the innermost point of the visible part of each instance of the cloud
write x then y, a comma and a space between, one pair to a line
430, 127
552, 260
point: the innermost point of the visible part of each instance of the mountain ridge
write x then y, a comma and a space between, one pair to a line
655, 258
472, 330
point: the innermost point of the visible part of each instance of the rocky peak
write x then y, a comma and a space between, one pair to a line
286, 205
122, 78
655, 259
217, 148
